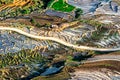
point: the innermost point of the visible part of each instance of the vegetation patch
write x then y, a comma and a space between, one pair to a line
22, 57
5, 2
61, 5
78, 13
21, 8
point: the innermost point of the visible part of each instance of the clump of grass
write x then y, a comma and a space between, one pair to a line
24, 56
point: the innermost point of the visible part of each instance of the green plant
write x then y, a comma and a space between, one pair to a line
78, 13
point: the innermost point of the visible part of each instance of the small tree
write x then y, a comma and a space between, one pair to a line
78, 13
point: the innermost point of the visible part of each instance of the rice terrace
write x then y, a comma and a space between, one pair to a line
59, 39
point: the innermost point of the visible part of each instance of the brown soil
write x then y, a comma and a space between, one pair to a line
44, 19
114, 53
112, 65
39, 18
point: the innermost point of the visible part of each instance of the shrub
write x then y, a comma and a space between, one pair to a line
78, 13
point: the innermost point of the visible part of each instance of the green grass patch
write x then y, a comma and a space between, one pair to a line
61, 5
